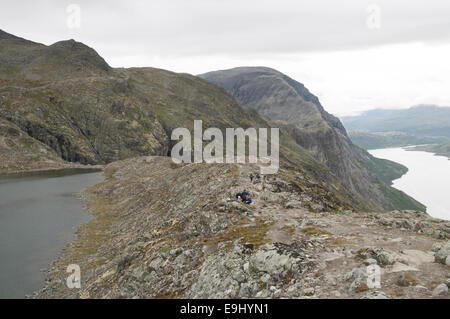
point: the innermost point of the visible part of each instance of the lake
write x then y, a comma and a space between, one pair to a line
39, 214
428, 178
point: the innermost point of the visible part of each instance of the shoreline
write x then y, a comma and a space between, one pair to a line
38, 171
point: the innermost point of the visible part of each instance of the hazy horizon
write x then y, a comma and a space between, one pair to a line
354, 55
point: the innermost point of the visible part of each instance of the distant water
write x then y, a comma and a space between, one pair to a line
39, 214
428, 178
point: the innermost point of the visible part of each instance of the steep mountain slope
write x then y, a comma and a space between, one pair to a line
423, 120
374, 140
289, 105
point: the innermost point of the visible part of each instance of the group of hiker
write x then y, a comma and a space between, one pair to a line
245, 195
252, 176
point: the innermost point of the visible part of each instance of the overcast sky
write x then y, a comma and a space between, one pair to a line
353, 54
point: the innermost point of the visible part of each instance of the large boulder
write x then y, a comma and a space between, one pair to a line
442, 256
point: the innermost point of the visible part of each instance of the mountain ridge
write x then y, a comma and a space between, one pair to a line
91, 113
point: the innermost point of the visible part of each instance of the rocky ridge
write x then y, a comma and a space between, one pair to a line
163, 230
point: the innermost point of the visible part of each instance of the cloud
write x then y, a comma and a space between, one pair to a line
326, 44
199, 27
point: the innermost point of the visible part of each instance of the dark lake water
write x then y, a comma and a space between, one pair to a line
39, 214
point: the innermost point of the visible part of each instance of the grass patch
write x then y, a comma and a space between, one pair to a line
170, 294
396, 292
109, 172
363, 288
288, 229
312, 231
254, 234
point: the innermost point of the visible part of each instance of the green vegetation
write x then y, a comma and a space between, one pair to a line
399, 200
441, 149
386, 170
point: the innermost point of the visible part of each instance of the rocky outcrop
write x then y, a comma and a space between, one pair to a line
442, 254
19, 152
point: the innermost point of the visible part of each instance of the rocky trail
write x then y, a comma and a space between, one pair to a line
171, 231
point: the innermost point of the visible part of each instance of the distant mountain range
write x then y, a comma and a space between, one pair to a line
422, 120
374, 140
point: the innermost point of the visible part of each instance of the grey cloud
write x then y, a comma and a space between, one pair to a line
202, 27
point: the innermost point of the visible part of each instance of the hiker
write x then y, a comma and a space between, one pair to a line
251, 177
258, 176
245, 195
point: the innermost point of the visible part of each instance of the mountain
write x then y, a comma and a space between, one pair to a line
65, 96
374, 140
422, 120
289, 105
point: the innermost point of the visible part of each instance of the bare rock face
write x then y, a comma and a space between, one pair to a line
18, 151
171, 231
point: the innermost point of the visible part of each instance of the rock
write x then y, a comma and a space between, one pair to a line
436, 247
176, 251
440, 290
355, 286
336, 293
237, 206
441, 256
239, 276
330, 280
293, 204
263, 294
420, 288
447, 282
405, 280
357, 274
370, 261
375, 295
358, 279
384, 257
275, 260
156, 263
